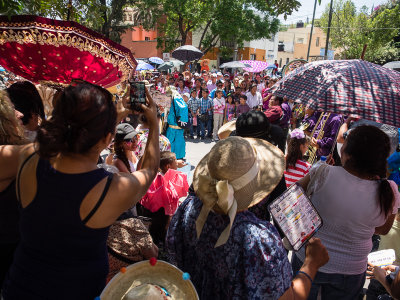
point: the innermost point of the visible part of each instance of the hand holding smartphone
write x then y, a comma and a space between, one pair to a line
137, 95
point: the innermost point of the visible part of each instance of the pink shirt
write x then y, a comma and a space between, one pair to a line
219, 105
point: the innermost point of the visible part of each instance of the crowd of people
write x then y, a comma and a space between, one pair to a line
95, 187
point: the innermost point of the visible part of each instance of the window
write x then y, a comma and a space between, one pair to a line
252, 57
317, 42
280, 62
147, 38
300, 41
287, 60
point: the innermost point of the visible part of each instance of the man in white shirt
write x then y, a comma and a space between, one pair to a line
212, 84
254, 98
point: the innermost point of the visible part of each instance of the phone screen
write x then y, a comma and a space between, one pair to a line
137, 93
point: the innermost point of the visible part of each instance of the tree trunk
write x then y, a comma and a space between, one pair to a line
105, 30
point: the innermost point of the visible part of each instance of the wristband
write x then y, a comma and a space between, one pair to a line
308, 276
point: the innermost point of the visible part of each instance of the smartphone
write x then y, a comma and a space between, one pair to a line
137, 94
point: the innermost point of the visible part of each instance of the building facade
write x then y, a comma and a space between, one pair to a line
293, 44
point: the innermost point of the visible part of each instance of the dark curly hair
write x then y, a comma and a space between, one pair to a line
368, 148
82, 116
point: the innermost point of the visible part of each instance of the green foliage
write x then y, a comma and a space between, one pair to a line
215, 20
102, 16
351, 30
225, 52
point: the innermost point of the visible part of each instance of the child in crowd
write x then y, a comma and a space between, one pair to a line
219, 107
242, 107
161, 199
296, 167
230, 108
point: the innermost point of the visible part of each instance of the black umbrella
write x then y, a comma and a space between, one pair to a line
187, 53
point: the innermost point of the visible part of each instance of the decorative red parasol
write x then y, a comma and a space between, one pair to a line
55, 52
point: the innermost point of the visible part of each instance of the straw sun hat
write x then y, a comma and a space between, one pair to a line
147, 280
236, 174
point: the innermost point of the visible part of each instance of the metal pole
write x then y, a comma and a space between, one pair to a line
312, 27
329, 30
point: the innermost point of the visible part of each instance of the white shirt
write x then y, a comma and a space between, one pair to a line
255, 100
211, 86
350, 211
260, 86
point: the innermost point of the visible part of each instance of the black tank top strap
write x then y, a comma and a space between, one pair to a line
103, 195
19, 175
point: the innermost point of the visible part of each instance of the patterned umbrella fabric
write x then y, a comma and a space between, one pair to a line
187, 53
348, 87
256, 65
144, 66
55, 52
234, 64
156, 60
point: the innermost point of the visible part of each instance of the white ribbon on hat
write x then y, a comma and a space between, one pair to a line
221, 192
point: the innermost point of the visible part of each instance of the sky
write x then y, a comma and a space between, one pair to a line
307, 7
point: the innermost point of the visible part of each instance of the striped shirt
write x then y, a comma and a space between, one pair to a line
292, 175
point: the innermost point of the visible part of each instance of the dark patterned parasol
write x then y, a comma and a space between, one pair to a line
55, 52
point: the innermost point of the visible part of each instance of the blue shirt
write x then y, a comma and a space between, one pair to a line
178, 110
251, 265
193, 104
212, 93
205, 104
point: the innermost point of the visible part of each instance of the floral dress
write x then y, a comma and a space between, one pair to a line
165, 144
230, 112
251, 265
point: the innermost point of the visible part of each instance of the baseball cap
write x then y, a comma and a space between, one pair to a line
126, 131
245, 73
220, 82
213, 75
186, 94
219, 74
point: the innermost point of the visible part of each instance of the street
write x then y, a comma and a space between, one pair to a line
195, 151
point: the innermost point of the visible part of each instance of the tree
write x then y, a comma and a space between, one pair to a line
103, 16
227, 20
351, 30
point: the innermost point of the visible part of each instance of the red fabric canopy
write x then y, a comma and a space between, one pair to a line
50, 51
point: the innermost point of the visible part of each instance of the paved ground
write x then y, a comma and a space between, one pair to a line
195, 151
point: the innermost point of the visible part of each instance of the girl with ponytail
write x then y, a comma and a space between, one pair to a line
355, 201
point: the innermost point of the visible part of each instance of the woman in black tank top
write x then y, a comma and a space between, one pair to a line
68, 203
